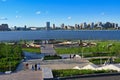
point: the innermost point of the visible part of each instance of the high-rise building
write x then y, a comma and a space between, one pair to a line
92, 25
84, 25
4, 27
115, 25
47, 25
53, 26
63, 26
76, 26
99, 24
25, 27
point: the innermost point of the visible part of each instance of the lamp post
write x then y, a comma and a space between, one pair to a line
101, 56
82, 52
110, 59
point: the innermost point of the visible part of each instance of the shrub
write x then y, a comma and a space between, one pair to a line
52, 57
74, 72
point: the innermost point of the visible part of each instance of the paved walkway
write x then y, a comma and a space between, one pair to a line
47, 73
20, 67
60, 64
48, 49
23, 75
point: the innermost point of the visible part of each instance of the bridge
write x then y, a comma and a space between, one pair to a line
60, 35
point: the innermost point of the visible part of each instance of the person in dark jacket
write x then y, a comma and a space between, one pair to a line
35, 67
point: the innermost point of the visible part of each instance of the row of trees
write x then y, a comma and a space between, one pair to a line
10, 56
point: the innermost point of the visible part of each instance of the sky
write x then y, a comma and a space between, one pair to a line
35, 13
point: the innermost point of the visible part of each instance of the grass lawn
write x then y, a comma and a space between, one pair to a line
32, 50
101, 47
74, 72
98, 61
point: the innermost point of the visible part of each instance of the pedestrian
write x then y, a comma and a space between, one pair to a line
70, 56
38, 66
27, 66
32, 67
35, 67
74, 56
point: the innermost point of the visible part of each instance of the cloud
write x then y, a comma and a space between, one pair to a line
3, 18
18, 16
69, 17
38, 12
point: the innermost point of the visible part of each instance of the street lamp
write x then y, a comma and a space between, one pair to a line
110, 59
101, 56
82, 52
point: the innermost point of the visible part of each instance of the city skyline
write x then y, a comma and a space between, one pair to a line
70, 12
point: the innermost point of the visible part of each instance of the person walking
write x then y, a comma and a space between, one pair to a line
38, 66
32, 67
35, 67
27, 66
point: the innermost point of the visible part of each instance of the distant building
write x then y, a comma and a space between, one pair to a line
70, 27
15, 27
108, 25
84, 25
4, 27
33, 28
63, 26
25, 27
92, 25
53, 26
20, 28
47, 25
99, 25
115, 25
76, 26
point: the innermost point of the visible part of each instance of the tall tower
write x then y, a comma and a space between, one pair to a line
62, 26
92, 25
47, 25
54, 26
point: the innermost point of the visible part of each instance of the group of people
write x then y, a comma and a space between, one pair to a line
36, 67
33, 67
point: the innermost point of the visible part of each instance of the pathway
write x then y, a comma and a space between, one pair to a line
23, 75
48, 49
60, 64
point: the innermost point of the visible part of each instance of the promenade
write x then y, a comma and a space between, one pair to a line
60, 64
23, 75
